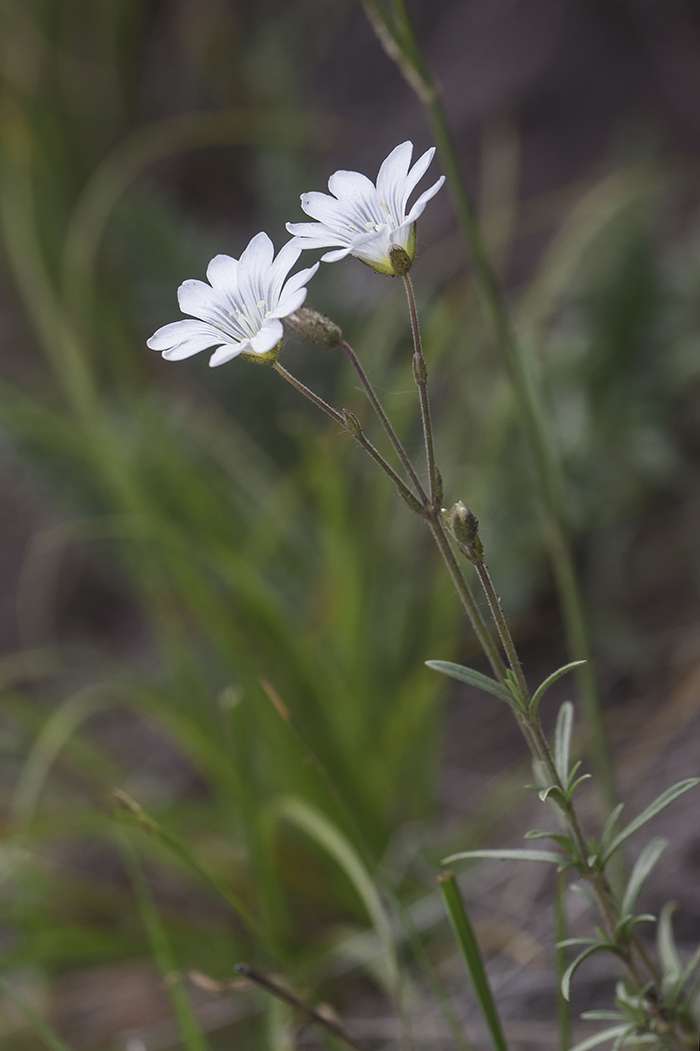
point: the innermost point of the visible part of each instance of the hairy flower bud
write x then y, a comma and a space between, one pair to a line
464, 526
314, 328
352, 423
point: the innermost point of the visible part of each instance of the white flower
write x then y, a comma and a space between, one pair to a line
368, 221
239, 311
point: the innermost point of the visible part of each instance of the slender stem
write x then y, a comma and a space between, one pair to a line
468, 601
308, 393
420, 374
270, 986
401, 44
384, 419
352, 425
503, 629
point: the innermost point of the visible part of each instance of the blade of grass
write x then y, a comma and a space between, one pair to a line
32, 1019
192, 1035
472, 956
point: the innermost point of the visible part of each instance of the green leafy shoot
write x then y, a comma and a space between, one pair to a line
32, 1019
472, 678
643, 866
472, 956
651, 811
542, 689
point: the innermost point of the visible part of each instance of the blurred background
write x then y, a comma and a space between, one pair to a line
172, 535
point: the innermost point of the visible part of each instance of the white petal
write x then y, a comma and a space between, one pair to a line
415, 175
351, 184
286, 258
419, 207
334, 257
200, 300
222, 272
254, 271
224, 354
297, 281
289, 302
181, 339
391, 179
315, 235
325, 208
268, 336
258, 256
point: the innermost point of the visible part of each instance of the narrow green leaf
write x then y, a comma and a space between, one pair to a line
602, 1016
472, 956
53, 736
192, 1035
573, 967
324, 832
651, 811
135, 813
542, 689
32, 1019
643, 866
666, 943
601, 1037
609, 826
539, 833
577, 782
691, 965
507, 855
473, 678
562, 740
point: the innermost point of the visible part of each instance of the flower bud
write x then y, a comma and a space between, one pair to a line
352, 424
314, 328
420, 369
464, 526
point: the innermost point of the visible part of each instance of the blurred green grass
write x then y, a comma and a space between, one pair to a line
249, 538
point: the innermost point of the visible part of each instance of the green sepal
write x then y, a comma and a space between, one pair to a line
263, 359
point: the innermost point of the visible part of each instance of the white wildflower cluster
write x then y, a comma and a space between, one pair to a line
240, 310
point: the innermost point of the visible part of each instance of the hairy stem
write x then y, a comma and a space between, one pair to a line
351, 424
420, 374
399, 40
384, 420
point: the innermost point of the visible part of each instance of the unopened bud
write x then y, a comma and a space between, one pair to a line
314, 328
420, 369
401, 261
464, 526
352, 423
